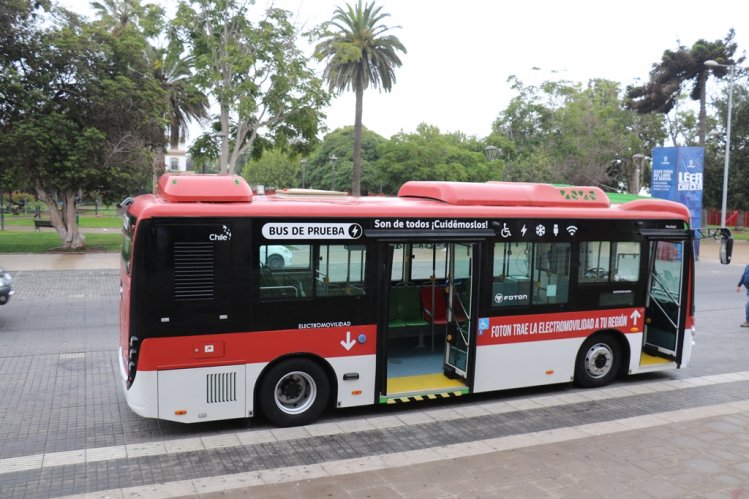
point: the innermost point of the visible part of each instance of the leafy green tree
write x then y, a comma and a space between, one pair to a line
204, 153
81, 110
173, 71
339, 145
255, 72
429, 154
738, 172
568, 133
359, 53
274, 169
679, 68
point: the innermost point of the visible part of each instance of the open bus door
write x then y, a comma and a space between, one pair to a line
459, 299
671, 273
428, 289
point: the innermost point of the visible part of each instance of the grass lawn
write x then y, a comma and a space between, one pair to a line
85, 221
41, 242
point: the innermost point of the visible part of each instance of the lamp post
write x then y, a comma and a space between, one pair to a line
638, 160
333, 161
304, 167
492, 152
732, 67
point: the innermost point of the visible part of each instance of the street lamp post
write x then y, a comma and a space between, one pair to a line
636, 182
492, 152
333, 161
304, 167
731, 67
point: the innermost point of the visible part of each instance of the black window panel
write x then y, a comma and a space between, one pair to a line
193, 277
619, 282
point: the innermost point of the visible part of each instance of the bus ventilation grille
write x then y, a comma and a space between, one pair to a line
193, 271
221, 387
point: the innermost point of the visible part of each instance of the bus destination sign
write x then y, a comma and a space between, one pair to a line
312, 231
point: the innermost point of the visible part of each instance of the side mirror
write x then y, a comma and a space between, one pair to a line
726, 249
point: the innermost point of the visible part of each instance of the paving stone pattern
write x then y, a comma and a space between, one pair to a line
61, 392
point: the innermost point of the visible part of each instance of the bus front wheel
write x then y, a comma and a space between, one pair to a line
597, 361
294, 392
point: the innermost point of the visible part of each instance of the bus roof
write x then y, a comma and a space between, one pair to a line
225, 195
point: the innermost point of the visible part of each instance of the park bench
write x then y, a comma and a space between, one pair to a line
42, 223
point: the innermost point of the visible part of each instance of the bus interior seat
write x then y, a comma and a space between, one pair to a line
436, 314
439, 314
405, 308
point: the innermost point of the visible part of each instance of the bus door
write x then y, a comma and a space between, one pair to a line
665, 312
458, 305
429, 304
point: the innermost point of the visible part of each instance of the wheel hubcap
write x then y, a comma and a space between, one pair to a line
295, 392
598, 360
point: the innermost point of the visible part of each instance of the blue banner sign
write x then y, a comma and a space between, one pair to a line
678, 174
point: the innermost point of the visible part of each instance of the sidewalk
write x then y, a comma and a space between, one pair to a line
15, 262
689, 453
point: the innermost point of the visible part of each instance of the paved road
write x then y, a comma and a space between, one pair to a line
65, 427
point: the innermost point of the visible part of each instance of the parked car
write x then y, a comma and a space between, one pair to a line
6, 287
275, 256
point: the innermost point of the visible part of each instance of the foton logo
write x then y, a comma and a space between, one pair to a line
224, 236
500, 298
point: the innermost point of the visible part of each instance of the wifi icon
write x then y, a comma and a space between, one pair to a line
571, 229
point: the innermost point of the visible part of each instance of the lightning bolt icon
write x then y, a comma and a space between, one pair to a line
523, 230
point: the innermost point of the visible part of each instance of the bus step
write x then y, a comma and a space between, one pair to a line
422, 387
401, 399
652, 360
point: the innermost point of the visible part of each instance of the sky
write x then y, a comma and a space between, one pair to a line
461, 52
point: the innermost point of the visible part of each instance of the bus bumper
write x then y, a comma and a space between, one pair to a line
142, 395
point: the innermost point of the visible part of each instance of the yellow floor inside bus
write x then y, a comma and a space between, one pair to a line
652, 360
422, 383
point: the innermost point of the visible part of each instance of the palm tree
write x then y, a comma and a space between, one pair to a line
186, 102
118, 13
359, 54
680, 67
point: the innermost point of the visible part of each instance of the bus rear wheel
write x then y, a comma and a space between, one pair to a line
294, 392
597, 361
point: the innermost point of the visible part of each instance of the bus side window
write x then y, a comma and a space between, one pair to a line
551, 276
605, 262
627, 261
340, 270
285, 272
595, 261
511, 280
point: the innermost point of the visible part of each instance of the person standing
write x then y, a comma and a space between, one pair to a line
744, 281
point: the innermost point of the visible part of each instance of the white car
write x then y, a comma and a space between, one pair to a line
6, 287
275, 256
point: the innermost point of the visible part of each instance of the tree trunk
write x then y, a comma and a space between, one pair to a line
224, 153
63, 220
703, 113
356, 184
73, 238
158, 167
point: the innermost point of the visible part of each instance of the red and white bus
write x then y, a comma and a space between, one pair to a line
234, 303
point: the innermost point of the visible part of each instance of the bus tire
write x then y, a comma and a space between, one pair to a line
597, 361
294, 392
